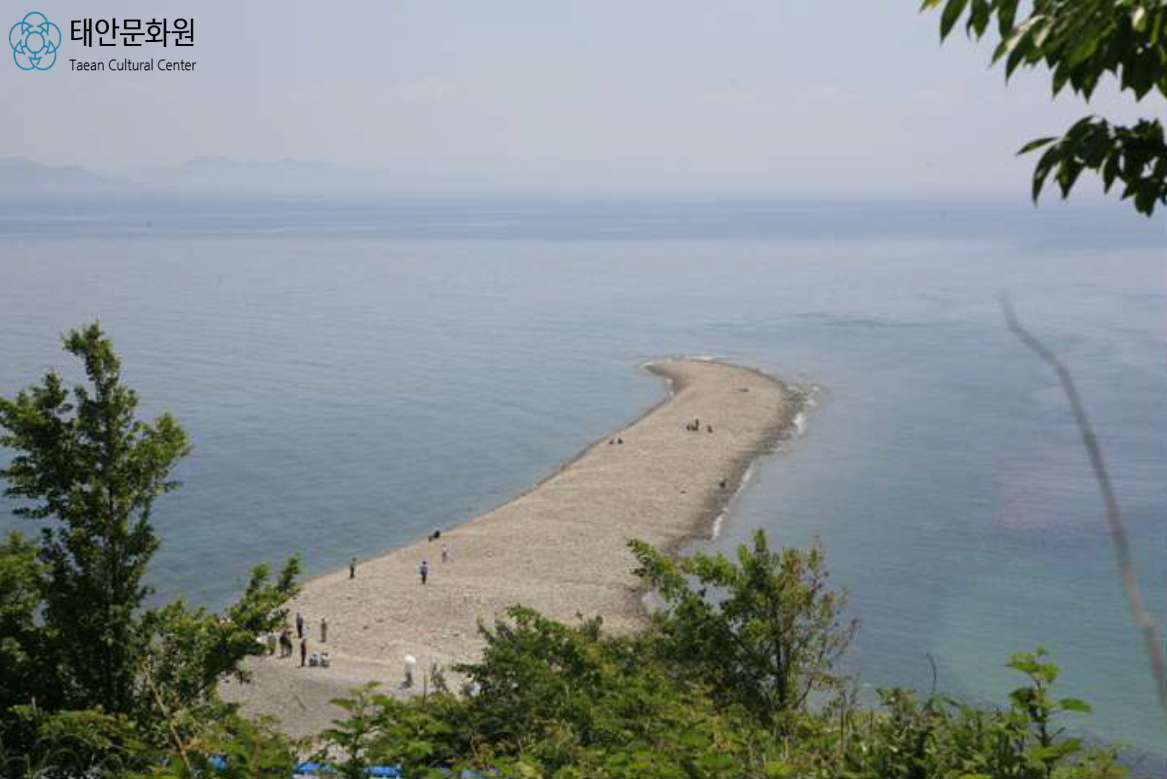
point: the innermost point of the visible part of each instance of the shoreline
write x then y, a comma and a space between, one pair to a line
559, 546
716, 510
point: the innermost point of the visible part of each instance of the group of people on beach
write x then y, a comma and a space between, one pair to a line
287, 647
695, 426
424, 569
287, 643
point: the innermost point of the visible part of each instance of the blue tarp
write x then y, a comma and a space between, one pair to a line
310, 770
313, 769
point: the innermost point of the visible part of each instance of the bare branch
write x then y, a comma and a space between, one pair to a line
1130, 583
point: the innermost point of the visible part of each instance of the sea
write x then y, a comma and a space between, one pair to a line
356, 372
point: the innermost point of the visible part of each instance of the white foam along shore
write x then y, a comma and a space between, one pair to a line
560, 547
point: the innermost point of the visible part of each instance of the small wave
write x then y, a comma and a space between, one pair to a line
800, 423
810, 401
720, 519
717, 523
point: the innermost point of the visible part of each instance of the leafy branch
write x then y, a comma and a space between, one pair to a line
1080, 42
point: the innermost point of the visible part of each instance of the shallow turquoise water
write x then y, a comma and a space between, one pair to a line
355, 374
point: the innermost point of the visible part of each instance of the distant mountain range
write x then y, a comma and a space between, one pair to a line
286, 176
18, 175
197, 175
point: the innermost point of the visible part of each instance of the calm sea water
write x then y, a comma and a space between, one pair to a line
354, 374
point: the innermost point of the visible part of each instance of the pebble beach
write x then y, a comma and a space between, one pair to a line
561, 547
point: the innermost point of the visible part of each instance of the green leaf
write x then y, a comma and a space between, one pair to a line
951, 15
1074, 704
1035, 144
1139, 18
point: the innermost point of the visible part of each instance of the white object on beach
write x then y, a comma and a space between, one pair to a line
410, 665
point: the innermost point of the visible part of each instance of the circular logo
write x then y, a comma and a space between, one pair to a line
34, 41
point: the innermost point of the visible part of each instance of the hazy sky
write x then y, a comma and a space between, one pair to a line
854, 94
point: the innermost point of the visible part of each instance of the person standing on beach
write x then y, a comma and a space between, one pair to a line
445, 553
323, 630
352, 568
299, 626
424, 570
303, 652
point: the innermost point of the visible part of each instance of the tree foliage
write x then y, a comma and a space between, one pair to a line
576, 702
21, 640
549, 699
194, 650
228, 746
89, 464
48, 744
769, 639
80, 653
1081, 42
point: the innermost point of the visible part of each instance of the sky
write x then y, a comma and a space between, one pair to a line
614, 94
